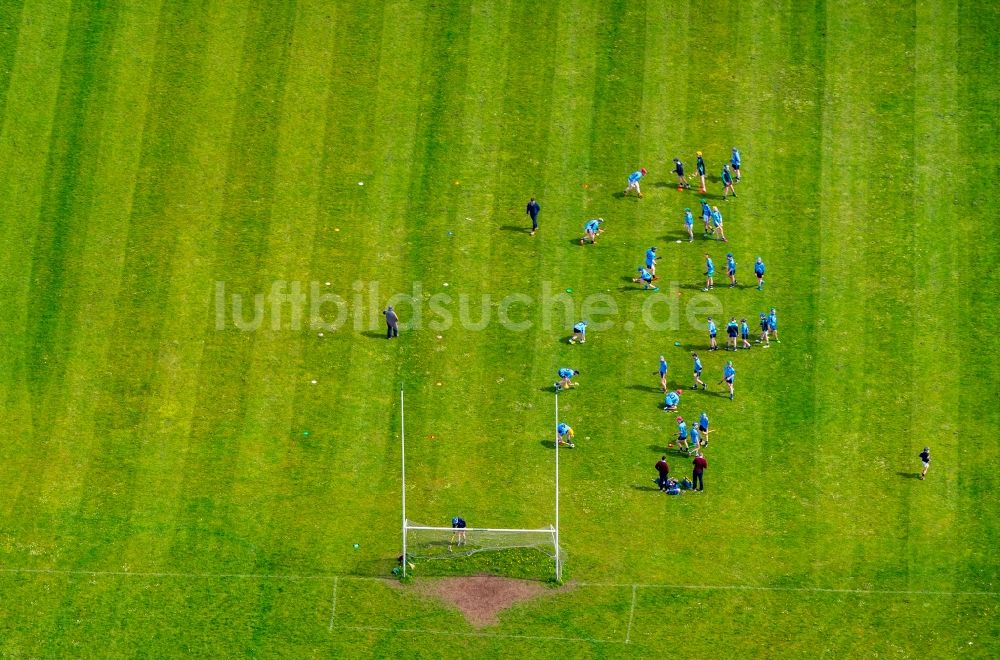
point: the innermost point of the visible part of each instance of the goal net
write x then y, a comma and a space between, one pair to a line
527, 553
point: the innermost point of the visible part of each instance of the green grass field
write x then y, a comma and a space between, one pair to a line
172, 488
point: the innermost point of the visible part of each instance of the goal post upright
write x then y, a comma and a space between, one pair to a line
558, 551
402, 455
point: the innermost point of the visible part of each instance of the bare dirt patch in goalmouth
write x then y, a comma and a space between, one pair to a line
483, 597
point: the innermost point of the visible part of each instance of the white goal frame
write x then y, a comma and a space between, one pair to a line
552, 530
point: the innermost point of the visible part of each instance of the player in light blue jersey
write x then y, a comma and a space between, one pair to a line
758, 270
709, 273
731, 269
633, 181
717, 229
564, 435
695, 438
745, 333
682, 435
736, 161
706, 217
772, 324
565, 379
592, 229
645, 278
663, 373
579, 333
713, 345
671, 400
689, 224
727, 182
651, 260
697, 373
729, 378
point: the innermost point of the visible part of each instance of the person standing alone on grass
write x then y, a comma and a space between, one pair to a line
709, 273
663, 373
758, 270
925, 458
532, 210
697, 474
713, 331
663, 473
700, 167
729, 378
736, 161
689, 224
697, 372
391, 323
727, 183
633, 181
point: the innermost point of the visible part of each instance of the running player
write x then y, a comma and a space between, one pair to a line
651, 260
646, 278
592, 229
633, 181
729, 378
697, 373
727, 182
758, 270
564, 435
565, 382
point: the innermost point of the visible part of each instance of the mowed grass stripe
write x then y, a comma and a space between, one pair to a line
24, 137
211, 518
280, 455
10, 25
192, 208
977, 464
106, 181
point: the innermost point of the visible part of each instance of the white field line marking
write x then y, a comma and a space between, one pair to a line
368, 578
333, 608
631, 615
475, 634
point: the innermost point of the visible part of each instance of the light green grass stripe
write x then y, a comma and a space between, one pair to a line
27, 123
277, 452
193, 208
10, 26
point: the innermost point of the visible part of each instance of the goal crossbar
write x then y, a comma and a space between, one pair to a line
541, 530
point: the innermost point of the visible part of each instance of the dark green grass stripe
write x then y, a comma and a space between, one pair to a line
210, 519
66, 198
10, 25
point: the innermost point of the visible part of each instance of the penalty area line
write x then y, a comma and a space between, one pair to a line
631, 616
743, 587
333, 607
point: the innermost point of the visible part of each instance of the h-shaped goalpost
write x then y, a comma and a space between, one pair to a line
448, 542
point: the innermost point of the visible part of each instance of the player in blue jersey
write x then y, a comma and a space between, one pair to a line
564, 435
695, 439
729, 378
682, 435
736, 161
651, 260
633, 181
713, 345
663, 373
591, 229
697, 373
727, 182
709, 273
682, 182
772, 324
689, 224
732, 332
765, 329
758, 270
717, 229
706, 217
745, 333
731, 269
646, 279
565, 379
579, 333
672, 400
700, 166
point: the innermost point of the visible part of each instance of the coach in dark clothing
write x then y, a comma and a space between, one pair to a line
532, 210
391, 323
663, 470
699, 469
